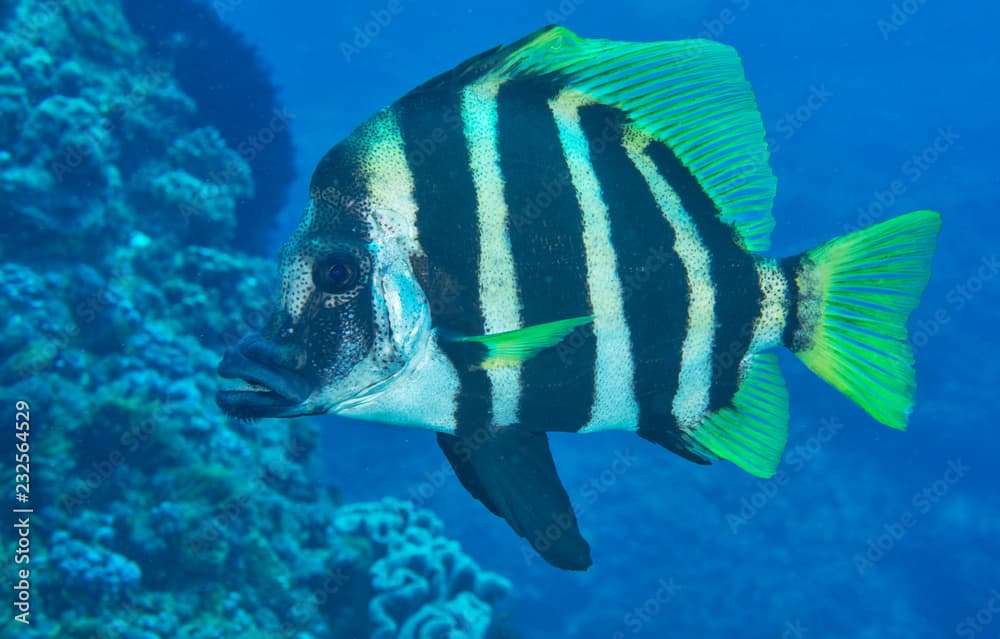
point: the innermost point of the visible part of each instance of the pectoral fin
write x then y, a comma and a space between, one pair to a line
512, 473
515, 347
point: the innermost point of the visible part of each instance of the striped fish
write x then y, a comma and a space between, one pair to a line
567, 235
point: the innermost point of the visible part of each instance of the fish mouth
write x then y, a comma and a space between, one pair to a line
267, 391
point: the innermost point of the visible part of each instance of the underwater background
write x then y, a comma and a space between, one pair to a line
154, 154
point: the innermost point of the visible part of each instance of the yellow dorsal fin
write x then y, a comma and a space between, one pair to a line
690, 94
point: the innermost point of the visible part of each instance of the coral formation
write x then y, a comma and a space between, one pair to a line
122, 281
235, 95
91, 568
426, 587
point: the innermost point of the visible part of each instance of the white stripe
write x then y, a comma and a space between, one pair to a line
695, 380
425, 392
614, 396
389, 179
498, 292
770, 324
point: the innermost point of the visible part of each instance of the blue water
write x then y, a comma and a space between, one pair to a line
874, 109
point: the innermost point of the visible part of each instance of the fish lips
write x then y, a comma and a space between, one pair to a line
276, 392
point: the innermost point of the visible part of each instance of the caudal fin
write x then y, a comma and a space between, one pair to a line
856, 293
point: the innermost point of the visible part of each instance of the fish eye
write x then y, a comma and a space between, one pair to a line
336, 272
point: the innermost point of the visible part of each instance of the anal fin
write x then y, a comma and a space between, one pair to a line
512, 473
751, 433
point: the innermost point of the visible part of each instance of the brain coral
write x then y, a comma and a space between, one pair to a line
426, 586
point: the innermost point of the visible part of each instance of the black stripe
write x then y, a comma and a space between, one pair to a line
546, 237
336, 185
737, 289
790, 269
653, 279
447, 225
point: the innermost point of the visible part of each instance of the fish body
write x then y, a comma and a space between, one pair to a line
569, 235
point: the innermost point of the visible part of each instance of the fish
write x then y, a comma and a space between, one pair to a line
572, 235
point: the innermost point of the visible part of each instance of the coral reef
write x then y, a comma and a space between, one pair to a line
236, 97
91, 568
123, 279
426, 587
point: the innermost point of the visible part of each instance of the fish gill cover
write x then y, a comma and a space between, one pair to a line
123, 274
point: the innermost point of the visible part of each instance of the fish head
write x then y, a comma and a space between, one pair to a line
351, 314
